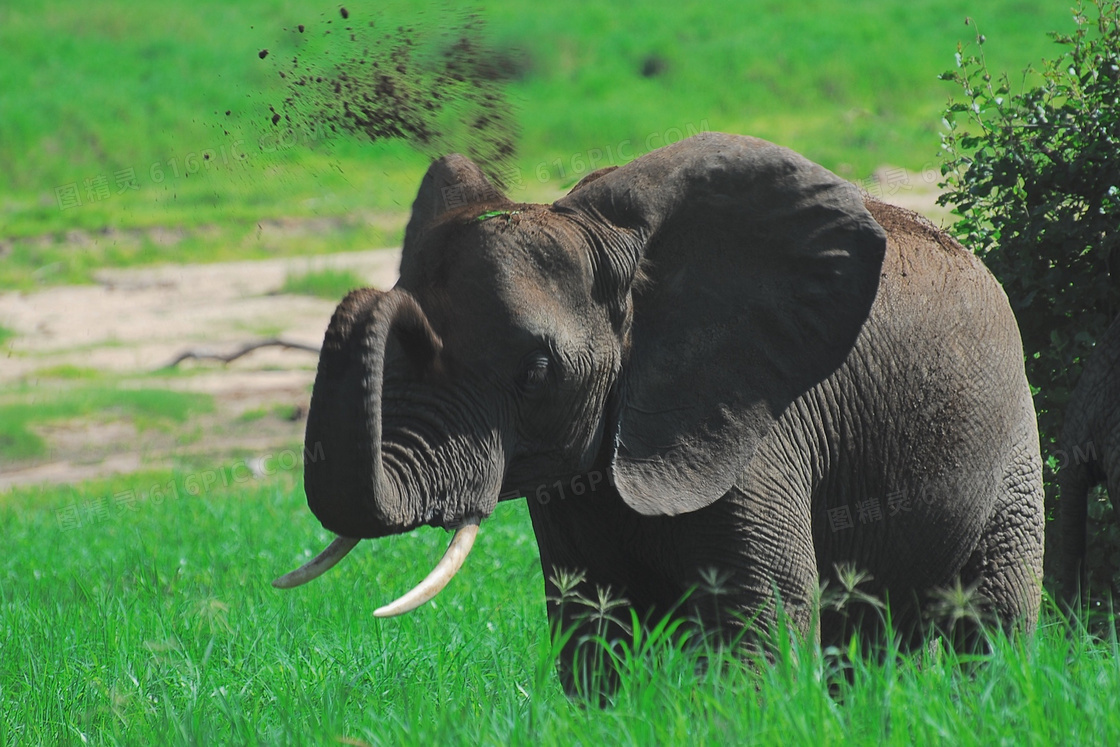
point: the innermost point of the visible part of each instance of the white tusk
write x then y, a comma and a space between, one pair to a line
433, 584
318, 565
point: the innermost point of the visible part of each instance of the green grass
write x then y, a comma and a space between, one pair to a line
5, 334
96, 90
138, 611
66, 371
53, 260
281, 412
328, 283
21, 410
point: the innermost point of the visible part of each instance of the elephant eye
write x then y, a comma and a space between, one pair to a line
534, 371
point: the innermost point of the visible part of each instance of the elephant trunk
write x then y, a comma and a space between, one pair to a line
349, 487
388, 446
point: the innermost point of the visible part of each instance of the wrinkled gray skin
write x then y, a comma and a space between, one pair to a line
732, 338
1091, 447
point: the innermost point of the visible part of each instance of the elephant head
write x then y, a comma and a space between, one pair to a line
652, 324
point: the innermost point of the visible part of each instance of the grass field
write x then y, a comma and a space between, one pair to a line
139, 612
122, 109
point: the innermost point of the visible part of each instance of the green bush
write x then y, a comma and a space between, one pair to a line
1035, 180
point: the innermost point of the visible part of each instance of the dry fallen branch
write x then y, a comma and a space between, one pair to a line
243, 350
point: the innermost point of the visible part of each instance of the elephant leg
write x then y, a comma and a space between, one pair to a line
750, 558
1074, 482
586, 538
1005, 569
722, 568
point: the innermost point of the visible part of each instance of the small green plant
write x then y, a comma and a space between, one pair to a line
846, 597
596, 634
328, 283
5, 334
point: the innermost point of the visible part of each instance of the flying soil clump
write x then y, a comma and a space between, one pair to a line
440, 91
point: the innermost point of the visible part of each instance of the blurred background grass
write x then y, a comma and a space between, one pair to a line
117, 105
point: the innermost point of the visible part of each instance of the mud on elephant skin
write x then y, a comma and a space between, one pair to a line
776, 377
1091, 446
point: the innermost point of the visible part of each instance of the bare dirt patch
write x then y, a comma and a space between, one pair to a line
135, 321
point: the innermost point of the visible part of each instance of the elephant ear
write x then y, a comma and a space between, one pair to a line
452, 183
761, 267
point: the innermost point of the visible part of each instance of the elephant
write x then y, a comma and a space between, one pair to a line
720, 363
1090, 445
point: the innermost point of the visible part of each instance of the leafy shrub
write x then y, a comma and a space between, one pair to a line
1035, 180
